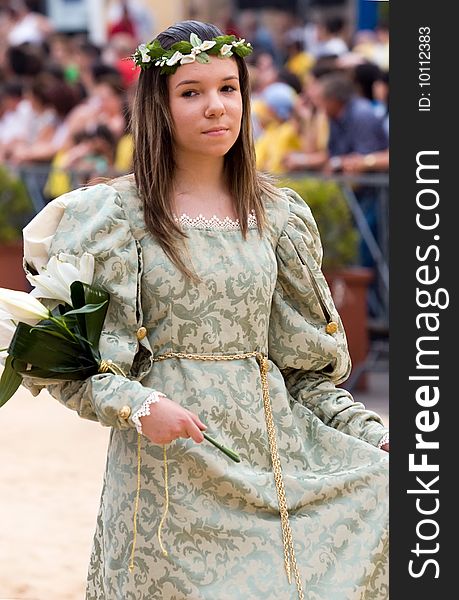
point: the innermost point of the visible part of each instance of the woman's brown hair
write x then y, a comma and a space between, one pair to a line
154, 165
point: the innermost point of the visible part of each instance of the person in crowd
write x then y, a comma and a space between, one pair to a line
220, 322
330, 37
289, 78
364, 75
28, 26
299, 61
280, 131
356, 163
42, 119
104, 106
86, 55
266, 72
357, 142
313, 124
251, 27
60, 49
25, 61
140, 15
14, 111
91, 155
51, 100
118, 48
373, 46
381, 98
125, 24
354, 127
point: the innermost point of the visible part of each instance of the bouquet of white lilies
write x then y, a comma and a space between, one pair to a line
58, 342
55, 342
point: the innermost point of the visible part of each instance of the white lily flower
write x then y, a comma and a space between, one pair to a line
7, 329
174, 58
146, 58
225, 49
188, 58
55, 279
20, 306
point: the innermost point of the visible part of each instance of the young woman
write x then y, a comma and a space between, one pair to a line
222, 321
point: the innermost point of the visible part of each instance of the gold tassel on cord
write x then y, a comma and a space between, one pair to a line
136, 504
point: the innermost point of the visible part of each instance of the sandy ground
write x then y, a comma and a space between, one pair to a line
51, 480
50, 485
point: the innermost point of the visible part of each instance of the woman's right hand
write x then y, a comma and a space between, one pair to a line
168, 421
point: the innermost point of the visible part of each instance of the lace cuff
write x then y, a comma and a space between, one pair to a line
383, 440
145, 409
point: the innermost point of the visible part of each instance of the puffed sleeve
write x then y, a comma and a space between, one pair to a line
306, 336
93, 220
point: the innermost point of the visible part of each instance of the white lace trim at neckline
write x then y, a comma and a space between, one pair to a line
214, 222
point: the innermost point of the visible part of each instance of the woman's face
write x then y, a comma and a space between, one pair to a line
206, 106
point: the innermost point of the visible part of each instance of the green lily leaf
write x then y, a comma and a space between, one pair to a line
74, 375
9, 382
86, 309
53, 332
93, 320
42, 349
78, 300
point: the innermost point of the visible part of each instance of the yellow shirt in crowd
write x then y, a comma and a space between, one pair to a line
276, 141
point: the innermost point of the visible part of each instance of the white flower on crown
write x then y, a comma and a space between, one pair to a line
188, 58
226, 49
174, 59
146, 58
207, 45
239, 42
200, 46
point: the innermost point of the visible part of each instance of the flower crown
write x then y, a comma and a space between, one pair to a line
183, 52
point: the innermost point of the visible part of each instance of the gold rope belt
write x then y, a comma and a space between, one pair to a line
287, 537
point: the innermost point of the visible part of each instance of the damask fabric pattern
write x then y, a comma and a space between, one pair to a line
222, 532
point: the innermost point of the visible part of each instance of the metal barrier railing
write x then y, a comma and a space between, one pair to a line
35, 178
367, 194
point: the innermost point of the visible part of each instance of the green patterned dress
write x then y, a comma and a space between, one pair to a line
222, 531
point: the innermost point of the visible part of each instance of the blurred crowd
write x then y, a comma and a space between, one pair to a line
320, 94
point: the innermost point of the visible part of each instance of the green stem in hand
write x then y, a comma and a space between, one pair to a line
230, 453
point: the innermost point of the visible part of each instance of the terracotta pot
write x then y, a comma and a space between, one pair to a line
11, 272
349, 288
